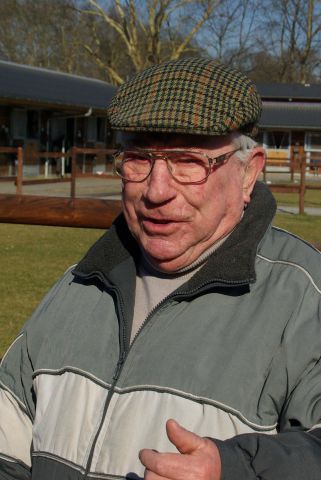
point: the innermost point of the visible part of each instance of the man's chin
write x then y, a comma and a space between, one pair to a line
167, 255
165, 262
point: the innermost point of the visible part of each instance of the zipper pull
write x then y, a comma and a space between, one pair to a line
119, 366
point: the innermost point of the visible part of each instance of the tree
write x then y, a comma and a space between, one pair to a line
294, 38
230, 33
145, 33
43, 34
270, 40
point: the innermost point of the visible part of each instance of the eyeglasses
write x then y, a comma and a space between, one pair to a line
186, 167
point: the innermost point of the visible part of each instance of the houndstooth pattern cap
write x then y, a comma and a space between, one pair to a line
193, 96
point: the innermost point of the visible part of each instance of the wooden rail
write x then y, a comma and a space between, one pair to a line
45, 154
58, 211
284, 188
73, 153
9, 149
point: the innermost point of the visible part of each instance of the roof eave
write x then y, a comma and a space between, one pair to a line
28, 102
289, 127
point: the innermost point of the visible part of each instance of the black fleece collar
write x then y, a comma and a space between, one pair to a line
233, 262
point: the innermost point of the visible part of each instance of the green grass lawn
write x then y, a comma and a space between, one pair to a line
305, 226
32, 258
312, 198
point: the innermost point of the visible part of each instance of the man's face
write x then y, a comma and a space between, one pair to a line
175, 223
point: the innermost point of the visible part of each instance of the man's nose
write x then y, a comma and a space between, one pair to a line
160, 186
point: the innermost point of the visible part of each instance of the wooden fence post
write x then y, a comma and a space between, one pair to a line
264, 169
73, 172
292, 162
19, 171
303, 164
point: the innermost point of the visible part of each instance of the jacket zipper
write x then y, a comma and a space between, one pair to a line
102, 421
117, 371
123, 354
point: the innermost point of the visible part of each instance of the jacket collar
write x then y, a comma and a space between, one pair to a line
232, 263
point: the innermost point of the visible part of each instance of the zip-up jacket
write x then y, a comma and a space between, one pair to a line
233, 354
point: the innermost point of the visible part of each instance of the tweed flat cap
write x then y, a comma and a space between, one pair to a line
193, 95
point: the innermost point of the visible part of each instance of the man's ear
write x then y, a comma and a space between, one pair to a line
253, 168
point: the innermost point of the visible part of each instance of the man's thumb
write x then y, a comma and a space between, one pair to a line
184, 440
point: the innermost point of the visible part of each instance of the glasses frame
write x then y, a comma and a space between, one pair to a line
161, 155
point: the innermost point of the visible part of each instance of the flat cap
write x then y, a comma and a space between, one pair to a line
191, 95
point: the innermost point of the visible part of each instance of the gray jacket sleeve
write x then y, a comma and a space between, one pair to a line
286, 456
17, 412
292, 454
18, 400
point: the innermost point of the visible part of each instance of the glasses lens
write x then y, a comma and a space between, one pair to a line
185, 167
188, 167
133, 166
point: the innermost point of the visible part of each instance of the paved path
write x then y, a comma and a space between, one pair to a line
295, 210
85, 187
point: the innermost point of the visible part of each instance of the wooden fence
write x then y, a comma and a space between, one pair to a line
57, 211
72, 154
75, 151
98, 213
296, 164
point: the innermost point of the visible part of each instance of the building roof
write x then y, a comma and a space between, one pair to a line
289, 106
290, 92
291, 115
22, 83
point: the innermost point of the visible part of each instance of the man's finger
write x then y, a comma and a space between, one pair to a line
149, 475
198, 458
184, 440
166, 465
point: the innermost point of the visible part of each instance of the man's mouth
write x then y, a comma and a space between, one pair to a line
153, 225
159, 220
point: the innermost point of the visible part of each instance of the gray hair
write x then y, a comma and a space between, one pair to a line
244, 143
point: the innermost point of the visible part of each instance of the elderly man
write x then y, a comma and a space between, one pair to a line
186, 344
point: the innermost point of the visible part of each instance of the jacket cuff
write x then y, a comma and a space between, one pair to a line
233, 461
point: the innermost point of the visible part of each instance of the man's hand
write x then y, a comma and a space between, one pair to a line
198, 459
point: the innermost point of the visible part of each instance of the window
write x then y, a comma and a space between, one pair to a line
313, 141
58, 128
277, 140
260, 138
19, 124
91, 129
32, 124
96, 129
101, 127
57, 133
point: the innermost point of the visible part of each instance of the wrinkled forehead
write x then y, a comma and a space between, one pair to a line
172, 140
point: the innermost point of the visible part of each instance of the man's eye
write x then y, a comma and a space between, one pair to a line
189, 161
137, 158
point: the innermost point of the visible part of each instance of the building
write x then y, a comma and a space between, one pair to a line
44, 110
291, 118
